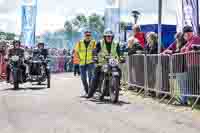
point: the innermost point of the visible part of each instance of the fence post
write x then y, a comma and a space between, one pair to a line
145, 74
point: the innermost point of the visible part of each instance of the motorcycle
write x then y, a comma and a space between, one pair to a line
16, 71
109, 84
39, 70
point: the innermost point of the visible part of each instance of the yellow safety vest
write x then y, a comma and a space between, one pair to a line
85, 54
104, 52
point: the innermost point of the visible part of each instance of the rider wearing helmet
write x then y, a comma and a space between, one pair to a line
42, 50
15, 50
107, 46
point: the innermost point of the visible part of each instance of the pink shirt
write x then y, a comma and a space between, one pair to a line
188, 46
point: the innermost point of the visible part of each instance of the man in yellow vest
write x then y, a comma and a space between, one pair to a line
84, 49
106, 46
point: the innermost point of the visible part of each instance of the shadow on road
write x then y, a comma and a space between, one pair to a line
107, 101
28, 88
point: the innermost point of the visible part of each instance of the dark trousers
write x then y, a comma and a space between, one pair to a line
76, 69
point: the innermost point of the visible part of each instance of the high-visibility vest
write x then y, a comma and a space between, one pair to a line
75, 58
104, 52
85, 54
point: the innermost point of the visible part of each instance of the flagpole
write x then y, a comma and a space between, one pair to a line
198, 32
159, 69
159, 25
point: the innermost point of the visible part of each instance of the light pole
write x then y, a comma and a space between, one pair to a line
135, 14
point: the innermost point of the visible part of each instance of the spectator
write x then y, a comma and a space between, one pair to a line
140, 36
76, 62
190, 38
152, 43
177, 45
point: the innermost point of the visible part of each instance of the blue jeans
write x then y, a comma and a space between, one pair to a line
86, 75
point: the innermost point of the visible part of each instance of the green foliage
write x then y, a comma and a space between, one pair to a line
94, 22
9, 36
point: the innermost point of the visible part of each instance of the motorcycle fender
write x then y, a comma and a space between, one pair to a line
115, 73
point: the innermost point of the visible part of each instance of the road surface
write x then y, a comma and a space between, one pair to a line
62, 110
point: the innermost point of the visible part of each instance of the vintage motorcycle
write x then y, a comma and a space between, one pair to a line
38, 69
109, 84
17, 74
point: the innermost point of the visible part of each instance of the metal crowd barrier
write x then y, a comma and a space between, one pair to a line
177, 75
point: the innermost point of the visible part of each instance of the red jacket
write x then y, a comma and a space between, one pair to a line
191, 58
141, 38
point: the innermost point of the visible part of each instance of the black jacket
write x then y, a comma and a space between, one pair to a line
151, 50
16, 51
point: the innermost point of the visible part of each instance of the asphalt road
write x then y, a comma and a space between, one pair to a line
60, 109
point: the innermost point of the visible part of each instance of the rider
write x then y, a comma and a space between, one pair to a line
106, 46
42, 50
15, 51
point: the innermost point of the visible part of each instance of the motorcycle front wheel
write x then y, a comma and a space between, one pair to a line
114, 89
15, 80
48, 80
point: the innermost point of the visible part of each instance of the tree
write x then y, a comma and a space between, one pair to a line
96, 23
8, 36
68, 26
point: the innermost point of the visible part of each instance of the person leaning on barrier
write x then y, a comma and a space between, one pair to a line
139, 35
134, 46
191, 39
152, 43
177, 45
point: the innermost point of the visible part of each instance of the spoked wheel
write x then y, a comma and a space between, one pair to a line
104, 89
48, 80
114, 89
15, 80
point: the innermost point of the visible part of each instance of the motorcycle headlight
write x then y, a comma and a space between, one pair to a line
15, 58
113, 62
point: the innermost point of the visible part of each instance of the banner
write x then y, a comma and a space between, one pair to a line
187, 14
112, 20
29, 11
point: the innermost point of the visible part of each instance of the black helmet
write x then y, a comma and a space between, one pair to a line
41, 43
187, 29
16, 41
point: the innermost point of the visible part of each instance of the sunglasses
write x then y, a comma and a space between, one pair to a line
109, 36
88, 35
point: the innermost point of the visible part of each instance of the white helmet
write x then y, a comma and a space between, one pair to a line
108, 32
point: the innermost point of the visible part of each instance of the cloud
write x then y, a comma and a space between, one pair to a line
52, 13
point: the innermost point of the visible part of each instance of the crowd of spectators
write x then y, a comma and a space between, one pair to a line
148, 43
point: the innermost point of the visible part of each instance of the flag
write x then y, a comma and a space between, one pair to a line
29, 11
187, 14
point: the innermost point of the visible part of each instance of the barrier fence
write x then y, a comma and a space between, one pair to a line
177, 75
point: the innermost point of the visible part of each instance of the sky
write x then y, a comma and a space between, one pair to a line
52, 13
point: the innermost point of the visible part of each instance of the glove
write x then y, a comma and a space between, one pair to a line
95, 59
122, 60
